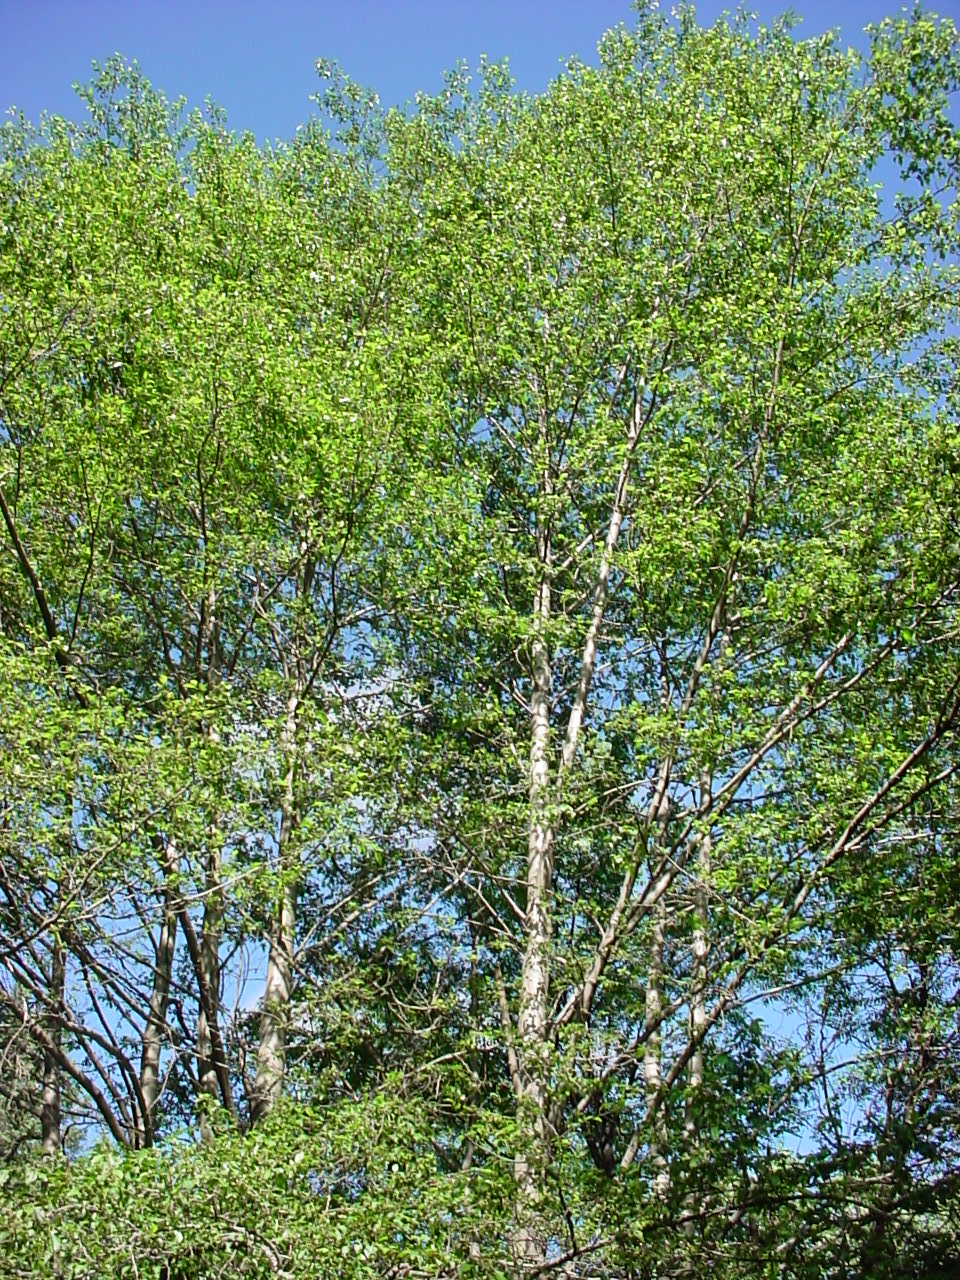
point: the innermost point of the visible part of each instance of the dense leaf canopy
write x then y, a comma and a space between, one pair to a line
480, 667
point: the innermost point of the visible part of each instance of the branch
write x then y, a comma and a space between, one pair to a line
842, 845
206, 1001
49, 623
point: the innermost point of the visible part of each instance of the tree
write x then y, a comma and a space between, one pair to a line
188, 605
496, 567
691, 386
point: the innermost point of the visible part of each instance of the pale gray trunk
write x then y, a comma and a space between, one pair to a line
534, 1021
156, 1029
651, 1050
653, 1010
698, 997
535, 979
698, 982
50, 1119
271, 1051
529, 1243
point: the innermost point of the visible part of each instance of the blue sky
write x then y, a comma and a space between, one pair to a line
257, 59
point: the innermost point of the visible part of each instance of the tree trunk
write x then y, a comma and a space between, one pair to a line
271, 1051
50, 1119
210, 977
651, 1050
155, 1030
207, 1028
699, 947
529, 1244
698, 1006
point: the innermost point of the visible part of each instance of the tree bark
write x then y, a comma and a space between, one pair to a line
271, 1051
653, 1012
534, 1020
209, 975
699, 947
529, 1244
50, 1111
155, 1030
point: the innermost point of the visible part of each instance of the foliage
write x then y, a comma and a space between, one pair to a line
493, 571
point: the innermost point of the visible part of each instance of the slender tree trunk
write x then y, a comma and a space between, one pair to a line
698, 1009
50, 1118
210, 976
699, 947
529, 1245
207, 1029
651, 1050
271, 1052
155, 1030
535, 1127
653, 1010
698, 991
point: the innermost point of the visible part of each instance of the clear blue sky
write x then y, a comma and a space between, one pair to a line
257, 59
